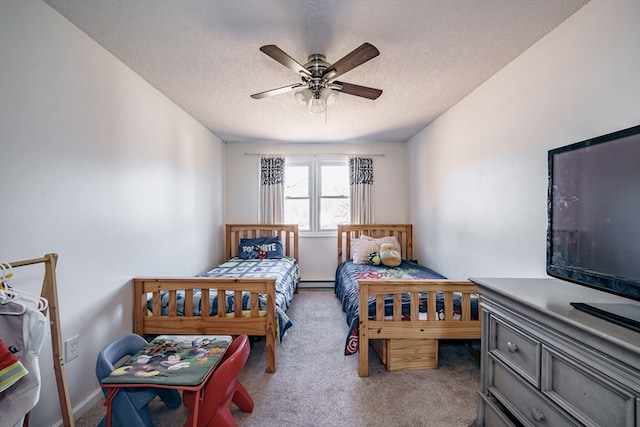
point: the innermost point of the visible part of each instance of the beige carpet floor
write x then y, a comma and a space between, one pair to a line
316, 385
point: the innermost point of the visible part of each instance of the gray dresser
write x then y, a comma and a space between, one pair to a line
545, 363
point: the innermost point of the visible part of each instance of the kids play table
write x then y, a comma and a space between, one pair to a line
181, 362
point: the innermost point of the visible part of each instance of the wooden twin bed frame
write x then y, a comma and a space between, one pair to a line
406, 344
252, 323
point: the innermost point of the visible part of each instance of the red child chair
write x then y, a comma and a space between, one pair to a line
222, 388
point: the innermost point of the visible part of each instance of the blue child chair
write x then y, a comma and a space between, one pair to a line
129, 407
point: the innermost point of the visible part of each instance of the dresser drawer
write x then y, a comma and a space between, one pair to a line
522, 400
492, 414
515, 348
589, 393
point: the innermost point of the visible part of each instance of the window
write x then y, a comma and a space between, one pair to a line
316, 194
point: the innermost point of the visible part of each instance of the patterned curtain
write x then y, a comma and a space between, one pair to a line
272, 189
361, 189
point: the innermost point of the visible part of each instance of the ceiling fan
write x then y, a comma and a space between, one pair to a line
318, 88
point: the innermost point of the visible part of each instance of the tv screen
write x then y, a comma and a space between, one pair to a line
593, 235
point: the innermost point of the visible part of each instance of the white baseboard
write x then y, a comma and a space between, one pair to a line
84, 406
317, 279
316, 284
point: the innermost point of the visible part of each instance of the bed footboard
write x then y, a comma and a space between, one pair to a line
414, 327
254, 322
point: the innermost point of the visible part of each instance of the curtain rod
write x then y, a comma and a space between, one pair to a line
313, 154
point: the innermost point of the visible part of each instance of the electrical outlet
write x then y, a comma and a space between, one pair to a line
71, 348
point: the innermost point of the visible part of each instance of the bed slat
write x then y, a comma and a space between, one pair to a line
431, 308
204, 302
237, 308
397, 307
156, 304
379, 307
188, 300
466, 307
222, 302
173, 305
414, 301
448, 306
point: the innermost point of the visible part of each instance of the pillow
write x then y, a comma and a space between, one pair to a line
389, 255
361, 248
392, 240
261, 247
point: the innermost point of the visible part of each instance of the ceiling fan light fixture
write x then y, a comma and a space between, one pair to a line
303, 97
329, 96
316, 101
317, 105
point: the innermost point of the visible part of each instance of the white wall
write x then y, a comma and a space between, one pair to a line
98, 166
317, 255
480, 208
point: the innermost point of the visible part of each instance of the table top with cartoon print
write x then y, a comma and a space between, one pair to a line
171, 360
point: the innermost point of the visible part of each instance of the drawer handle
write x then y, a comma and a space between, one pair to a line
537, 414
512, 347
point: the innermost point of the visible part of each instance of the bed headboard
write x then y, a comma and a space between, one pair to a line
346, 232
288, 233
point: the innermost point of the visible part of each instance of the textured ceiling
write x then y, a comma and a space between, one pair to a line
204, 55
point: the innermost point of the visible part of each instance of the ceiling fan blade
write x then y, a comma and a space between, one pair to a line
278, 91
278, 54
359, 56
357, 90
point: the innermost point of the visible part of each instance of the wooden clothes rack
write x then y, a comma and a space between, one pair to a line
50, 293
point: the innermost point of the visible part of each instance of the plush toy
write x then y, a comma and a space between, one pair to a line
374, 258
389, 255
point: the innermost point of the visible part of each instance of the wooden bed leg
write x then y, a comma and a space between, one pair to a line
271, 353
363, 358
271, 327
363, 339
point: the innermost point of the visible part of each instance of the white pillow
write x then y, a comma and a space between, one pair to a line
361, 248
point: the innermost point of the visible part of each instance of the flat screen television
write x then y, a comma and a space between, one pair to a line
593, 233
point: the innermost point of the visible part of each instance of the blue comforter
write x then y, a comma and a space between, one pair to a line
346, 288
284, 270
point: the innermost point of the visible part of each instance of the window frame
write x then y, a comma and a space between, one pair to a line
315, 189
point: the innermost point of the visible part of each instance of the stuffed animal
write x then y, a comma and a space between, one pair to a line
374, 258
390, 255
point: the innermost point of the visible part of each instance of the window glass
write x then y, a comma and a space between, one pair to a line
334, 180
333, 212
297, 211
296, 181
